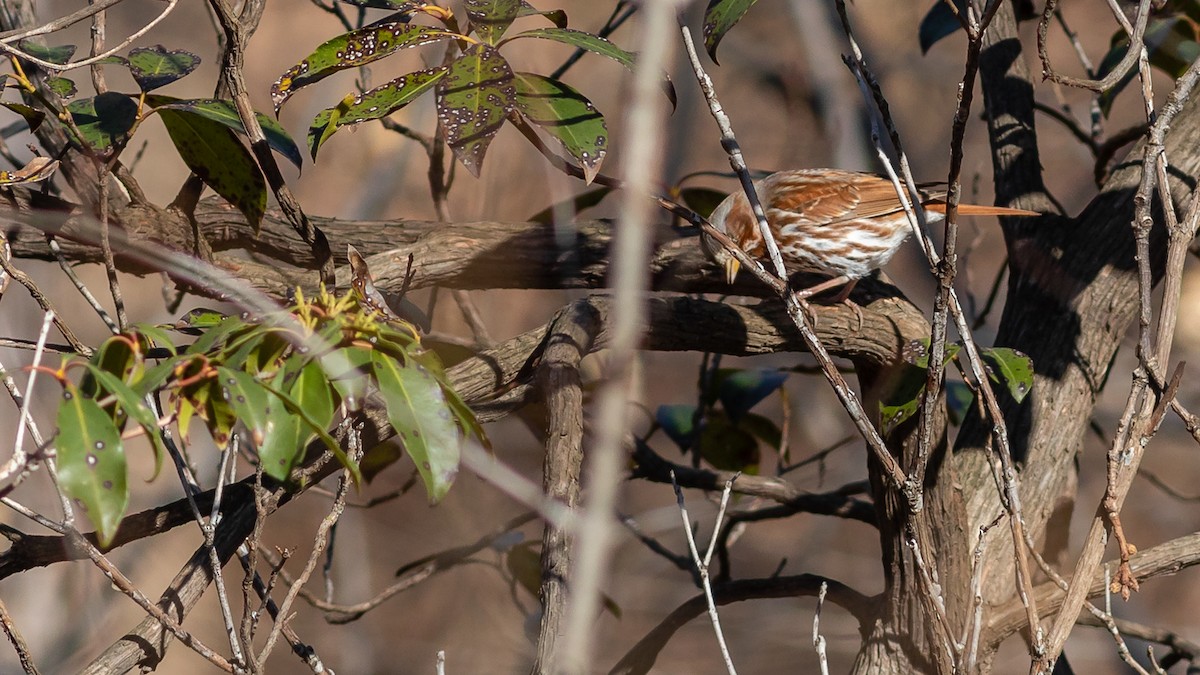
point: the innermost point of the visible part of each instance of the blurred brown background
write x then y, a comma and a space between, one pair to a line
792, 104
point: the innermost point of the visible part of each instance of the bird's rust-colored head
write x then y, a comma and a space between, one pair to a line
722, 218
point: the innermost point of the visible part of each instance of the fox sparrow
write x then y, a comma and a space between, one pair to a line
842, 224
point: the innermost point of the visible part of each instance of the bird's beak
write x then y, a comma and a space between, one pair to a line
732, 266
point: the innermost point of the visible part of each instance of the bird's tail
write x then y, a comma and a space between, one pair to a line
978, 210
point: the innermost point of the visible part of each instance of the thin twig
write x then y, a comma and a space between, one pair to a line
818, 639
702, 564
18, 642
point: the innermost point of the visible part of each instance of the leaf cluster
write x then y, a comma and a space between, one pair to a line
475, 88
279, 381
721, 429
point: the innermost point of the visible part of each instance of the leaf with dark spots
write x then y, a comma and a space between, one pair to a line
91, 462
719, 18
351, 50
224, 113
212, 151
491, 18
370, 105
473, 99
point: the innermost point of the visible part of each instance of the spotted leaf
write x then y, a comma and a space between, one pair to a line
132, 404
1010, 368
719, 18
370, 105
394, 5
251, 403
472, 100
353, 49
157, 66
417, 409
224, 113
568, 116
901, 398
64, 88
491, 18
91, 462
214, 153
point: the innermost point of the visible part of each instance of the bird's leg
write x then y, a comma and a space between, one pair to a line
828, 284
843, 295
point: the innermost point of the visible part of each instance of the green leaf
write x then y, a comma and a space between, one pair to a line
491, 18
581, 40
214, 153
568, 116
763, 429
104, 120
64, 88
901, 400
250, 401
198, 320
58, 55
1010, 368
153, 378
156, 66
33, 117
571, 207
728, 447
741, 390
348, 370
554, 16
473, 100
295, 418
350, 50
224, 113
394, 5
916, 352
91, 462
678, 421
115, 356
370, 105
464, 416
133, 404
940, 22
719, 18
307, 401
282, 447
378, 458
594, 44
219, 333
417, 410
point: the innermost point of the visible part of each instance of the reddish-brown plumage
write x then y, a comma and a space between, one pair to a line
843, 224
